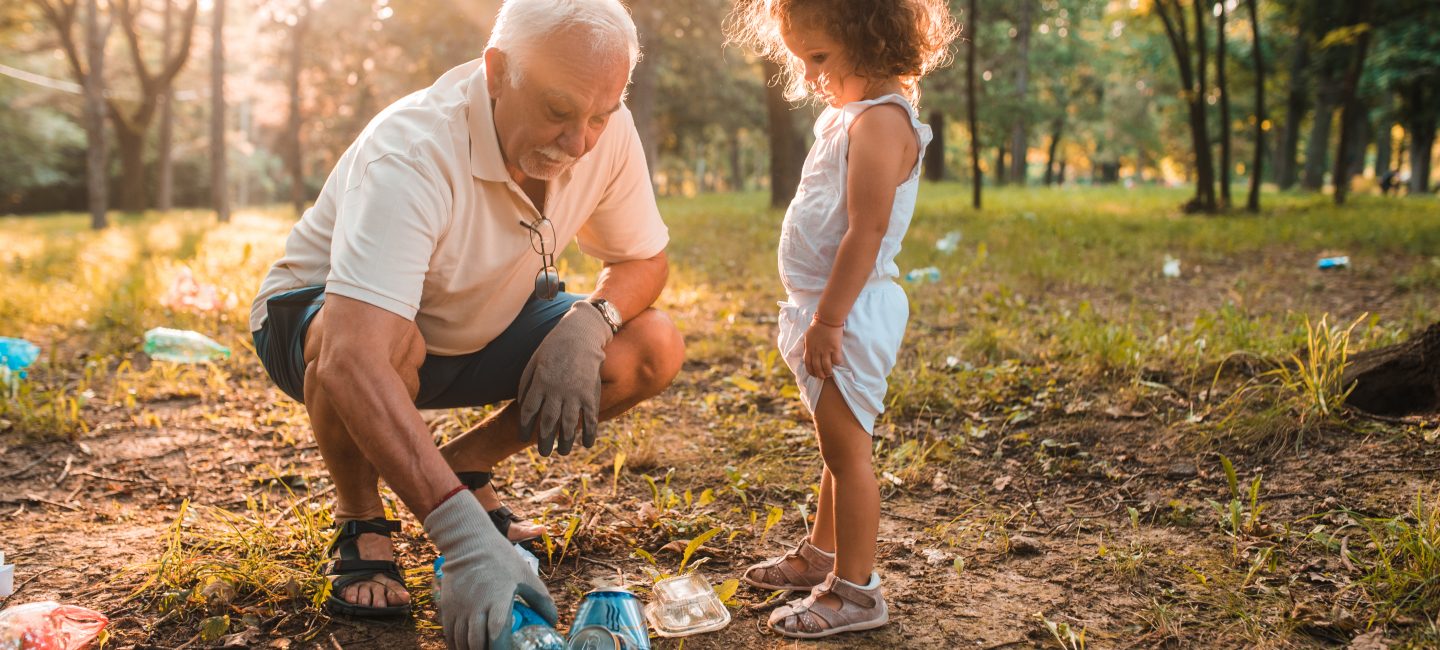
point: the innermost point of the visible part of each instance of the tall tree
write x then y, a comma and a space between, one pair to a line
1407, 62
219, 187
1252, 203
165, 196
1317, 144
294, 152
1020, 128
1360, 27
130, 126
787, 148
974, 118
95, 115
1297, 102
1220, 56
935, 154
1192, 83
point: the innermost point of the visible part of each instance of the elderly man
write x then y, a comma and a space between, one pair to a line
424, 277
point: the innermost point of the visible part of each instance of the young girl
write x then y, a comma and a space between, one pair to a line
840, 329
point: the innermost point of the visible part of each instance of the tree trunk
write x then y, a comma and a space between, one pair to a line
165, 197
1350, 100
219, 187
1397, 379
1421, 146
642, 97
1002, 170
1252, 203
1295, 105
1204, 162
974, 118
295, 159
787, 147
1384, 146
131, 141
94, 86
1220, 83
1318, 145
935, 154
1019, 130
1057, 126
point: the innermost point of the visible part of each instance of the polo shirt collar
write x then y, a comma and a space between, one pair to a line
486, 161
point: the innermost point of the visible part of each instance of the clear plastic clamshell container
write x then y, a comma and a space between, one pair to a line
686, 605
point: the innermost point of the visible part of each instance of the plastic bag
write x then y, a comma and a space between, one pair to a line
49, 626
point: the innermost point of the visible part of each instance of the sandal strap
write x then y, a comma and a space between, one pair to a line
348, 530
502, 517
474, 480
344, 567
848, 592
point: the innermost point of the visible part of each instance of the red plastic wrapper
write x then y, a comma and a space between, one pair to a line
49, 626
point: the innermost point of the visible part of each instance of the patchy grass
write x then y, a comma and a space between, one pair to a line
1049, 381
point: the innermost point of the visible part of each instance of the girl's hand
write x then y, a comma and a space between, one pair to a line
822, 349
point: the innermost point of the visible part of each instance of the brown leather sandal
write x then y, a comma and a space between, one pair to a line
776, 573
861, 608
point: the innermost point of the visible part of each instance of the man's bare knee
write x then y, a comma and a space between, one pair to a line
663, 351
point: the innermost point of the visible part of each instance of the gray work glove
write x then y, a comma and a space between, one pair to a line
560, 389
483, 575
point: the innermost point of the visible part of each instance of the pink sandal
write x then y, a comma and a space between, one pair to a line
777, 574
861, 608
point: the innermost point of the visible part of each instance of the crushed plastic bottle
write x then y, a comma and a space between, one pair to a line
182, 346
949, 242
927, 274
1172, 267
17, 354
528, 631
49, 626
1333, 263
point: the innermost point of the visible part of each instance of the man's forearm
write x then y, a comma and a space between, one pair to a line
633, 286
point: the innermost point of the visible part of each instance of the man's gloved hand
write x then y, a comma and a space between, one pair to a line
560, 389
483, 575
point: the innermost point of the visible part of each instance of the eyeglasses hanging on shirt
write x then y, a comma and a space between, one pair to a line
542, 239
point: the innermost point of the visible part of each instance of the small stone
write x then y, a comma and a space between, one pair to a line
1182, 470
1021, 545
936, 557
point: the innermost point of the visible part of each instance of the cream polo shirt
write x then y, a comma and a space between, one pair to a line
420, 217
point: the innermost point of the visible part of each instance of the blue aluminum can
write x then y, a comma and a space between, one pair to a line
596, 637
616, 610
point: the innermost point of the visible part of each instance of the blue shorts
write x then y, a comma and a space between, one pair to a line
487, 376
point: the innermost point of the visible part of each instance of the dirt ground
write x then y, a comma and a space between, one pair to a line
1090, 517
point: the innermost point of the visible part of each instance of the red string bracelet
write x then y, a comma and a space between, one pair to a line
457, 490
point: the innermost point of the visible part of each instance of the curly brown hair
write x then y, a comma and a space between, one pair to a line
904, 39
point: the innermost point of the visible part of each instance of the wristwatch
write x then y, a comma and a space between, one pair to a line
608, 312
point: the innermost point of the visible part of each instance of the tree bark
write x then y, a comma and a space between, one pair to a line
1002, 169
642, 97
1397, 379
1220, 83
787, 147
1421, 146
1350, 100
1019, 130
1192, 80
935, 154
94, 86
1295, 105
974, 118
295, 159
1318, 144
1384, 146
1252, 203
165, 196
737, 166
219, 187
1055, 130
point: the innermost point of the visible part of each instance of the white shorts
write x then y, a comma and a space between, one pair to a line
873, 333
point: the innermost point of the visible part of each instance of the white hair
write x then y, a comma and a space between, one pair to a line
524, 26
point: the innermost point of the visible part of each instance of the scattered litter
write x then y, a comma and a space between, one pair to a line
182, 346
1172, 267
927, 274
936, 557
1332, 263
50, 626
7, 577
187, 294
949, 242
686, 605
15, 356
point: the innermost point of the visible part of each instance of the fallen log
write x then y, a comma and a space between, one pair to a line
1398, 379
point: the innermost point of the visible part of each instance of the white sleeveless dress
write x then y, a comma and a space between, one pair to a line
809, 239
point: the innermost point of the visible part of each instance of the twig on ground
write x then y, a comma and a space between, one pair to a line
64, 473
302, 501
1035, 505
38, 499
334, 643
613, 567
1398, 470
107, 477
